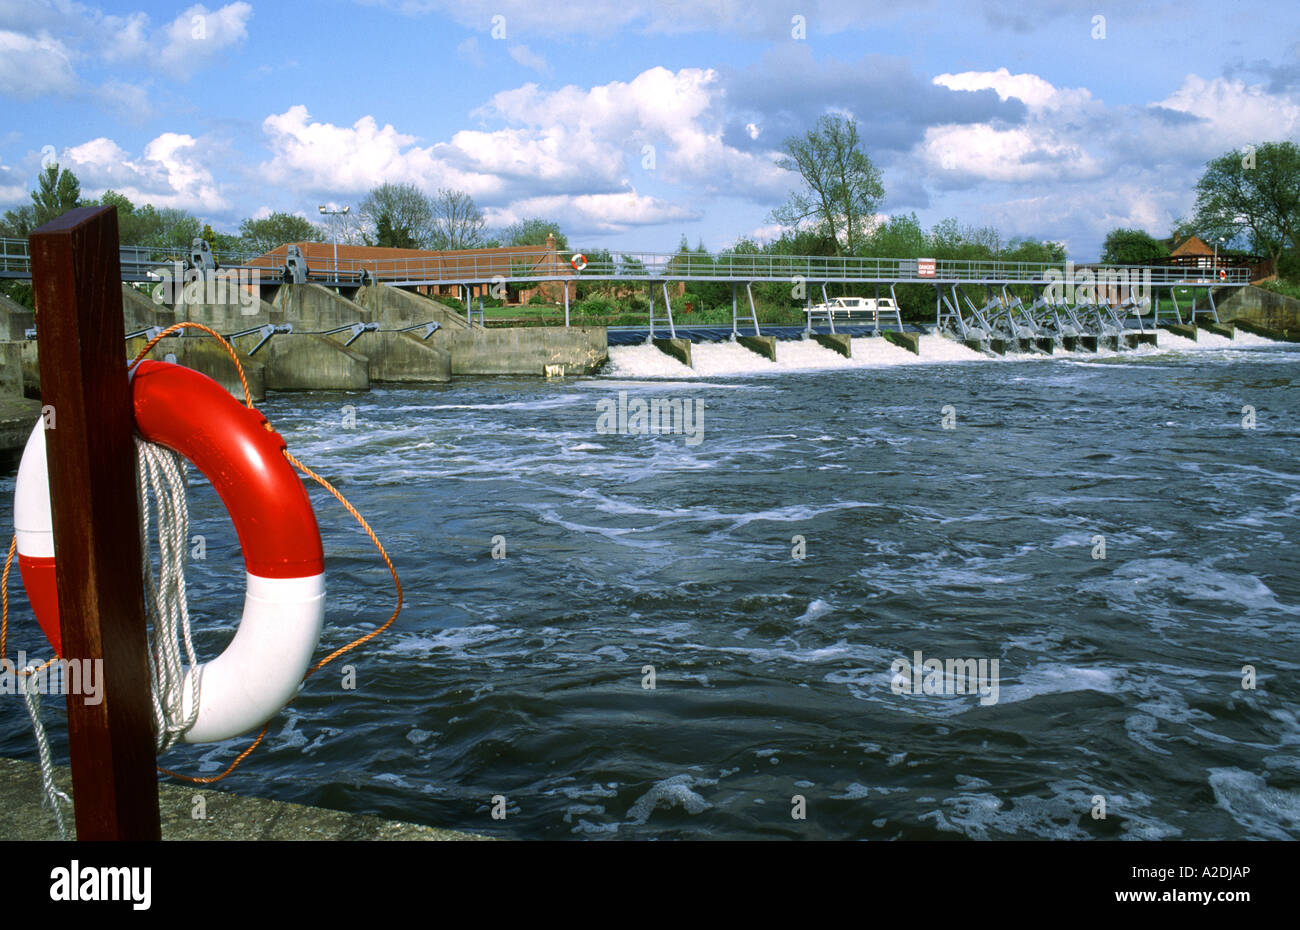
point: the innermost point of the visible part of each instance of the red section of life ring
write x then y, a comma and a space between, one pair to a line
242, 456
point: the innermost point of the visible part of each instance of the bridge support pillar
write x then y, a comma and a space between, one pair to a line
836, 342
679, 349
1219, 329
909, 341
763, 345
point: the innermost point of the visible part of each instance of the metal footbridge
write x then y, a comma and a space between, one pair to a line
1057, 304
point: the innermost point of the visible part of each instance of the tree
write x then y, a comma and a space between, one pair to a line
56, 193
533, 231
1256, 195
19, 223
270, 232
399, 216
842, 187
1131, 247
456, 222
898, 237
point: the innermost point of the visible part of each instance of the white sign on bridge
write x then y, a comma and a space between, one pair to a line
925, 267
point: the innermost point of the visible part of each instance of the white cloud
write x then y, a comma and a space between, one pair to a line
770, 18
596, 213
1235, 113
170, 173
570, 142
34, 66
469, 50
199, 37
529, 59
44, 47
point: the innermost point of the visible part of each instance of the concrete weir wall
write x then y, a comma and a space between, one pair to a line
403, 357
1262, 309
393, 308
524, 350
207, 356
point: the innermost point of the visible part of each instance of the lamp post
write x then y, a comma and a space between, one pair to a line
335, 230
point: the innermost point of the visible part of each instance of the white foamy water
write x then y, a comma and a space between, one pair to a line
721, 359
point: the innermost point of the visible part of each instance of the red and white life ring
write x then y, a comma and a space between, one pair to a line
579, 261
284, 604
1223, 274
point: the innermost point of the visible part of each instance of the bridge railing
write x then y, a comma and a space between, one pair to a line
531, 266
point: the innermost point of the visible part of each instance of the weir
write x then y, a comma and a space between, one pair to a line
298, 323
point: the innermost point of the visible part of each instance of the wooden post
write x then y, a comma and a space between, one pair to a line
77, 282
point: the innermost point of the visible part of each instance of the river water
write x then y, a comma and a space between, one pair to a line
697, 633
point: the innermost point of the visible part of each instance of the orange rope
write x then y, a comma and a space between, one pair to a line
230, 350
248, 400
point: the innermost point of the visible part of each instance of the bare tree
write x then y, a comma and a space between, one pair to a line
842, 187
398, 216
457, 223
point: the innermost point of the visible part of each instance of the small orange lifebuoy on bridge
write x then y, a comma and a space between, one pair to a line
1223, 274
579, 261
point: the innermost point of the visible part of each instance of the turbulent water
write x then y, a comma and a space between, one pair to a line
675, 557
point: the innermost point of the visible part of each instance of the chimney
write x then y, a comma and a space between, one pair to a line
550, 242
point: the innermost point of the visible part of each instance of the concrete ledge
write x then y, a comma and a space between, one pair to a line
763, 345
1141, 339
909, 341
204, 354
976, 345
24, 816
17, 417
303, 362
1179, 329
679, 349
523, 350
1251, 327
836, 342
11, 368
1109, 341
1045, 344
400, 357
15, 320
1219, 329
999, 346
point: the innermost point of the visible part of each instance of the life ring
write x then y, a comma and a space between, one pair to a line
284, 603
579, 261
1223, 274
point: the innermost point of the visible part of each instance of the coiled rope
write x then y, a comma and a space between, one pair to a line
161, 476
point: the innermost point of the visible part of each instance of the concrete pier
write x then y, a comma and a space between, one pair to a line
679, 349
1179, 329
909, 341
24, 815
1218, 329
836, 343
763, 345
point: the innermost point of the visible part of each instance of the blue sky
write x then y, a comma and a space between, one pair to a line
633, 122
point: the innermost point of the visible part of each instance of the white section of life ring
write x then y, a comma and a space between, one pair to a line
261, 669
33, 522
